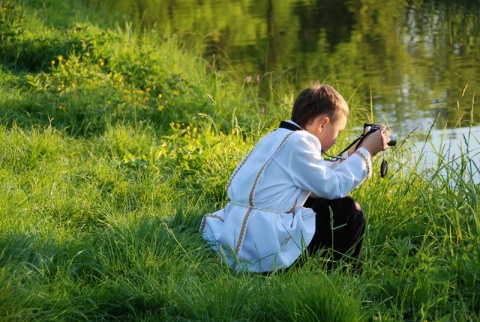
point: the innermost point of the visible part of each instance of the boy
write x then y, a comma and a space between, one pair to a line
267, 225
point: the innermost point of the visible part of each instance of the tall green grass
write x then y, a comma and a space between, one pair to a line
114, 142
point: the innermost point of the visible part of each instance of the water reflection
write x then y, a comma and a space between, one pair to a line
458, 148
415, 61
414, 57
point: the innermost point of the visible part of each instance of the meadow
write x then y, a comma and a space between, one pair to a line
115, 141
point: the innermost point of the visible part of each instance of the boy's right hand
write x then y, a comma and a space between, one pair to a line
376, 141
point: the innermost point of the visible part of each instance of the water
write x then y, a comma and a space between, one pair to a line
457, 147
414, 61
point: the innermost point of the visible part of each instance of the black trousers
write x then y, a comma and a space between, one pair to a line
340, 226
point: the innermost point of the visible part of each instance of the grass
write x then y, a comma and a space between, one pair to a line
113, 145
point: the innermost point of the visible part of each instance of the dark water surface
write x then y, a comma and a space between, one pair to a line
413, 61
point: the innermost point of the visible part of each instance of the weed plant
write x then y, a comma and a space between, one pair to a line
114, 142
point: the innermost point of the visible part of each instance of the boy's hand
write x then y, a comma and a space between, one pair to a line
376, 141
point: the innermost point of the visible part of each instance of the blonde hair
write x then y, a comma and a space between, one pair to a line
316, 100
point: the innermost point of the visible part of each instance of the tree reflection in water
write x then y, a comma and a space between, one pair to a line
414, 59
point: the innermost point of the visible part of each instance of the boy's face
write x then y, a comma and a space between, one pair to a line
327, 130
330, 132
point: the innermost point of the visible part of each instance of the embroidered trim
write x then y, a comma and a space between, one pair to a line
275, 211
204, 221
242, 231
238, 169
252, 191
367, 163
250, 199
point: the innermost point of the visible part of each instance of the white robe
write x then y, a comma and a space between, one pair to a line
265, 227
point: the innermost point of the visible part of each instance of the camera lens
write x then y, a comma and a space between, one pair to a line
393, 140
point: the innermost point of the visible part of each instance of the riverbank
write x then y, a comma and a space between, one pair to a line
114, 144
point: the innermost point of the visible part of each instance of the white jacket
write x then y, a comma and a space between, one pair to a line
265, 227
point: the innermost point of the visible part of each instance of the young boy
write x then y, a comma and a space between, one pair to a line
266, 225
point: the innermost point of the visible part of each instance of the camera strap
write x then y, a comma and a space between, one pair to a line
383, 165
358, 141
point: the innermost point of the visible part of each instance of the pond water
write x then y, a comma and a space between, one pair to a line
458, 147
412, 61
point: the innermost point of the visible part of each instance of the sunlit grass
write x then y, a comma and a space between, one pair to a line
110, 155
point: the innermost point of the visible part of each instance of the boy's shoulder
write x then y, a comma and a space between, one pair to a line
298, 137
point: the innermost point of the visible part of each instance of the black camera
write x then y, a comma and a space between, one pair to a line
375, 127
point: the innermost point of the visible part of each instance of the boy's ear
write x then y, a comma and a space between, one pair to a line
322, 120
318, 122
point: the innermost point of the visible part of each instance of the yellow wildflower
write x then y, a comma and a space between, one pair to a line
389, 198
